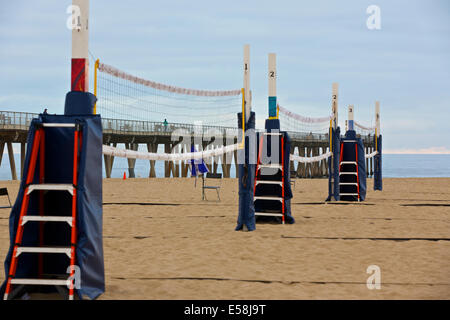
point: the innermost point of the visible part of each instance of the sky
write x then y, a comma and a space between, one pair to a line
199, 44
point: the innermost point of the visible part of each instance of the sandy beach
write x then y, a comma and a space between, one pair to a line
161, 241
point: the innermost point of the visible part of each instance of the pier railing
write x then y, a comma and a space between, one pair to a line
16, 120
21, 121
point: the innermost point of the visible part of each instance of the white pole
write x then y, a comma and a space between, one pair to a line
247, 97
80, 34
351, 117
334, 104
80, 45
377, 117
272, 86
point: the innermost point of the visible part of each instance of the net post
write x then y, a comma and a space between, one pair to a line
244, 116
377, 118
97, 62
331, 135
376, 139
334, 103
80, 46
272, 86
351, 117
378, 177
246, 90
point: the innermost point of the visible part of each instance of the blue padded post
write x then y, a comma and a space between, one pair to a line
246, 175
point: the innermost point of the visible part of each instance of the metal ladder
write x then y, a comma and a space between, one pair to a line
38, 150
264, 180
353, 172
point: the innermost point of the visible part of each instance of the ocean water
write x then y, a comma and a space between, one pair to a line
416, 165
394, 166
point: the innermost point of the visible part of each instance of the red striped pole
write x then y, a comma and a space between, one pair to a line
80, 46
80, 75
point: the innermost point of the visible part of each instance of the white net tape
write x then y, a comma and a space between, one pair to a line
302, 118
371, 155
159, 86
324, 156
130, 154
363, 127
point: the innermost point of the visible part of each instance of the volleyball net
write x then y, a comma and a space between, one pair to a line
121, 95
198, 155
291, 121
364, 130
124, 96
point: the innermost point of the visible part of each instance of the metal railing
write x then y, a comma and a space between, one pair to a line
16, 120
136, 127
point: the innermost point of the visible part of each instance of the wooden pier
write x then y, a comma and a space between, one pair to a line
14, 129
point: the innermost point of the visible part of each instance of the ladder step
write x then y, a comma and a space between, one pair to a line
59, 125
354, 173
348, 183
348, 194
25, 219
269, 182
64, 250
51, 186
267, 198
272, 166
42, 282
348, 162
268, 214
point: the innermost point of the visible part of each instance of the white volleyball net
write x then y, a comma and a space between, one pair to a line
124, 96
364, 130
291, 121
313, 127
